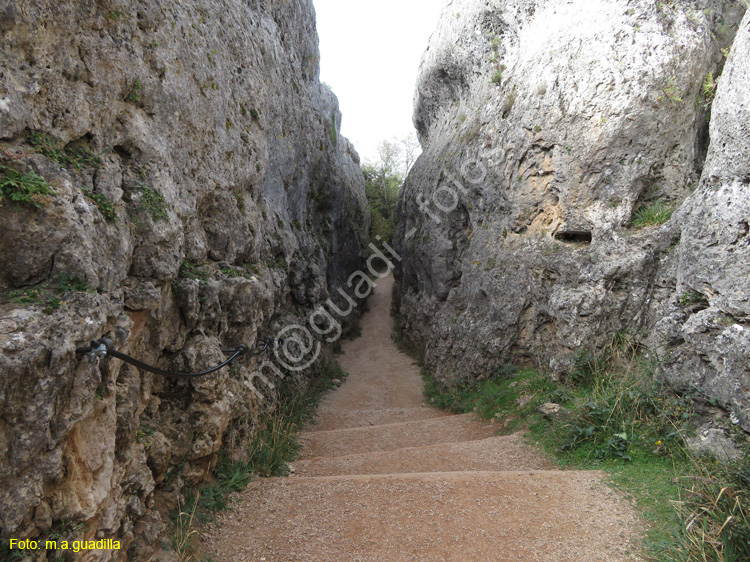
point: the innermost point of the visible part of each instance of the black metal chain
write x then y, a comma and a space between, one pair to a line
103, 347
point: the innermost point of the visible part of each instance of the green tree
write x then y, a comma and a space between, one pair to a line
383, 180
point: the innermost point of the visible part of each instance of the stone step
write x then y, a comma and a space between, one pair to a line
389, 437
507, 452
366, 417
519, 516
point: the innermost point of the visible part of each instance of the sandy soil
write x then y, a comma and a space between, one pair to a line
382, 477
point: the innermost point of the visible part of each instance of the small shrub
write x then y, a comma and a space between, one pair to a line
653, 215
588, 366
240, 199
24, 296
26, 189
510, 99
497, 78
278, 263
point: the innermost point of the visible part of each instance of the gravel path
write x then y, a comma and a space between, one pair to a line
384, 478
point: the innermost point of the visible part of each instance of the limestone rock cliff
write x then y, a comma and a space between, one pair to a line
703, 335
547, 127
201, 196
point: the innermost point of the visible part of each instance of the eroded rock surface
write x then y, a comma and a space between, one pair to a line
703, 336
547, 126
203, 197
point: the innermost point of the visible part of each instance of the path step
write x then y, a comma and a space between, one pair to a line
389, 437
460, 516
366, 417
507, 452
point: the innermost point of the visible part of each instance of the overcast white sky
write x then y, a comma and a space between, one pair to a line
369, 55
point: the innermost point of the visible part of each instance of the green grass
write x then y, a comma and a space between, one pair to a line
653, 215
621, 420
23, 189
275, 443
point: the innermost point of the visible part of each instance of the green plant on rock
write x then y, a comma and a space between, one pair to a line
102, 202
693, 297
48, 294
135, 92
153, 203
189, 270
656, 214
71, 283
72, 155
144, 434
672, 91
708, 91
23, 189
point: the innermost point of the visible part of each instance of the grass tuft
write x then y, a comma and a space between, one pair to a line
275, 442
653, 215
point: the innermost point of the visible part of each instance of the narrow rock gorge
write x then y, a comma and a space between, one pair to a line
188, 191
173, 178
550, 130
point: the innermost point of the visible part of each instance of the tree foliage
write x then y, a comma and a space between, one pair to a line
383, 180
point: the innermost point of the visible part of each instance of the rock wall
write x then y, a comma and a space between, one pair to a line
202, 197
703, 336
547, 127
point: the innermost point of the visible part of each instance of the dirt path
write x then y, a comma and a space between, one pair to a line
384, 478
